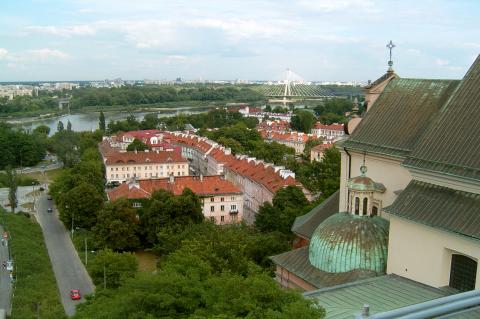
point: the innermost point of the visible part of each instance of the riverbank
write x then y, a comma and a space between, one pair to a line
30, 117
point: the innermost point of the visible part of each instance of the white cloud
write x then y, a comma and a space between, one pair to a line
46, 53
442, 62
3, 53
63, 31
338, 5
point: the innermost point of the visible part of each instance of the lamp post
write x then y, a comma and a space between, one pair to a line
33, 192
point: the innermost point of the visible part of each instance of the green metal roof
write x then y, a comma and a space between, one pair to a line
382, 293
305, 225
400, 116
345, 242
451, 145
472, 313
297, 263
439, 207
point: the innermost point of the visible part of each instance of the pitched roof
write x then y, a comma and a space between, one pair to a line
305, 225
208, 186
382, 293
322, 147
296, 262
390, 74
333, 127
122, 158
439, 207
400, 116
452, 143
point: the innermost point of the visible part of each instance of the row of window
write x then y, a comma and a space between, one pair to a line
222, 208
139, 175
233, 218
222, 199
148, 167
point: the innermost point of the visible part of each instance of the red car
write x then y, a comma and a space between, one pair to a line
75, 294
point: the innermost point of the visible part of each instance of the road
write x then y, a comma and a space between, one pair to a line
5, 283
69, 270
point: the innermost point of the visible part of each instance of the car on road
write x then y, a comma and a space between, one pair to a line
75, 294
9, 265
49, 197
49, 210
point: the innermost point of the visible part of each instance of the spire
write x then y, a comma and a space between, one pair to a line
390, 46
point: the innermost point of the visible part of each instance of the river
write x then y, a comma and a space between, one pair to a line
89, 121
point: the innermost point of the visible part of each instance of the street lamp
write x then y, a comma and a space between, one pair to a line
33, 192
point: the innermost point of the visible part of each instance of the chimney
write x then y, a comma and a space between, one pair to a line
171, 179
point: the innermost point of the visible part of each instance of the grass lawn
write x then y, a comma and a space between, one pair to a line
35, 282
147, 262
49, 175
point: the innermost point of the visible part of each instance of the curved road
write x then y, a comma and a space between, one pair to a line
69, 270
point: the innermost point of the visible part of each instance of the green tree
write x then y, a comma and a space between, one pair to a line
42, 129
111, 269
117, 226
12, 188
288, 203
137, 145
303, 121
66, 146
101, 122
330, 171
60, 126
80, 206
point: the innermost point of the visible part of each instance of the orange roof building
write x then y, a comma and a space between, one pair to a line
222, 200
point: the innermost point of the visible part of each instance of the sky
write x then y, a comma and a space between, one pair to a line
320, 40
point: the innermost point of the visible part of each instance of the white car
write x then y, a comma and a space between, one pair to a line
9, 265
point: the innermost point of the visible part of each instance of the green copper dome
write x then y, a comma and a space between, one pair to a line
345, 242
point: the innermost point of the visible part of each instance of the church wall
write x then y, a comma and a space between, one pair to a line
288, 280
423, 253
387, 171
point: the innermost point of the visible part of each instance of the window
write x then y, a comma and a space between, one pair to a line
178, 173
123, 168
111, 168
365, 205
232, 198
116, 175
222, 218
374, 211
134, 168
357, 205
233, 207
128, 175
116, 168
463, 273
212, 208
137, 205
222, 208
111, 176
146, 167
212, 199
212, 219
222, 199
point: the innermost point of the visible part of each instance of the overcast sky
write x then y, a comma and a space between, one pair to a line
329, 40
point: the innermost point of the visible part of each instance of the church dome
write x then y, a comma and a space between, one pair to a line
345, 242
362, 183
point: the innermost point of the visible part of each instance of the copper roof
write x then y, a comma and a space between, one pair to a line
451, 145
439, 207
296, 262
305, 225
400, 116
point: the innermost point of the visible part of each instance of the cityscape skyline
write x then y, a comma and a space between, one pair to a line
320, 40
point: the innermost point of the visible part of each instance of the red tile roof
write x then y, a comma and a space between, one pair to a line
260, 173
333, 127
210, 185
113, 158
287, 136
321, 147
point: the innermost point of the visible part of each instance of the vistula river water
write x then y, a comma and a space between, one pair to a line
89, 121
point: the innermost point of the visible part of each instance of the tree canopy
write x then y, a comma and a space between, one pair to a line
303, 121
137, 145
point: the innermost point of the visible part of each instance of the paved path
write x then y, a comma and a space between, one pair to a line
69, 270
5, 283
